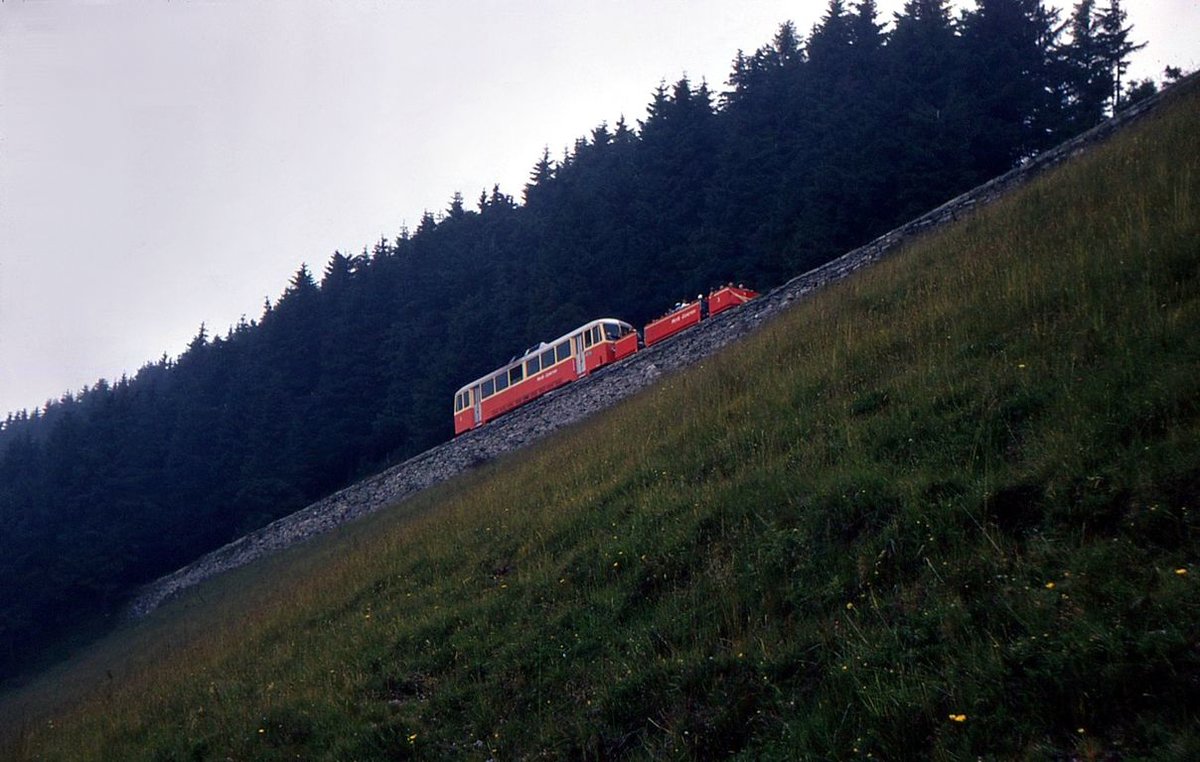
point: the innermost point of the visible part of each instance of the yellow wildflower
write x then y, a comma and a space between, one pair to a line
1181, 571
1049, 585
958, 717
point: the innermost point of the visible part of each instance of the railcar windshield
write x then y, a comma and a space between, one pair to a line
612, 331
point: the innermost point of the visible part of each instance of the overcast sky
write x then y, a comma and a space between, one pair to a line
168, 163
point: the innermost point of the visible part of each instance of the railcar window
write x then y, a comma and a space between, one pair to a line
587, 339
547, 358
457, 402
515, 375
489, 388
563, 350
533, 366
501, 382
595, 334
612, 331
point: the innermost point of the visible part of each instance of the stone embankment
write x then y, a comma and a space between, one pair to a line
596, 392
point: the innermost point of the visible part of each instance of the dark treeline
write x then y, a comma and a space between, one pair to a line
818, 143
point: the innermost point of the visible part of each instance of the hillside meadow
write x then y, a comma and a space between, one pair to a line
945, 509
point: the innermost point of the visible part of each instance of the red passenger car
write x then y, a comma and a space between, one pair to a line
542, 369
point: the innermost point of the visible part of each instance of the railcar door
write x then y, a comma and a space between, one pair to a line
580, 360
477, 400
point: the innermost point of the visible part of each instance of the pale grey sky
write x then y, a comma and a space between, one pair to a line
167, 163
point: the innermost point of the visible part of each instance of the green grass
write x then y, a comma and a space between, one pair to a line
961, 484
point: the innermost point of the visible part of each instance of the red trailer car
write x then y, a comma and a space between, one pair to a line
683, 316
689, 314
725, 297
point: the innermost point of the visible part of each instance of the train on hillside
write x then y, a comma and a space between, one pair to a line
575, 354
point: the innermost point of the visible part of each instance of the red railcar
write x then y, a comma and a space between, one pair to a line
542, 369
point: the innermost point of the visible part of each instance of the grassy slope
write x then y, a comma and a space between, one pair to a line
962, 483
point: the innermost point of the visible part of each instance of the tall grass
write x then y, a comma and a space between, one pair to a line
945, 509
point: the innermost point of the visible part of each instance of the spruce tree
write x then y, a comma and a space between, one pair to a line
540, 176
1010, 48
931, 111
1116, 47
456, 210
1089, 78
